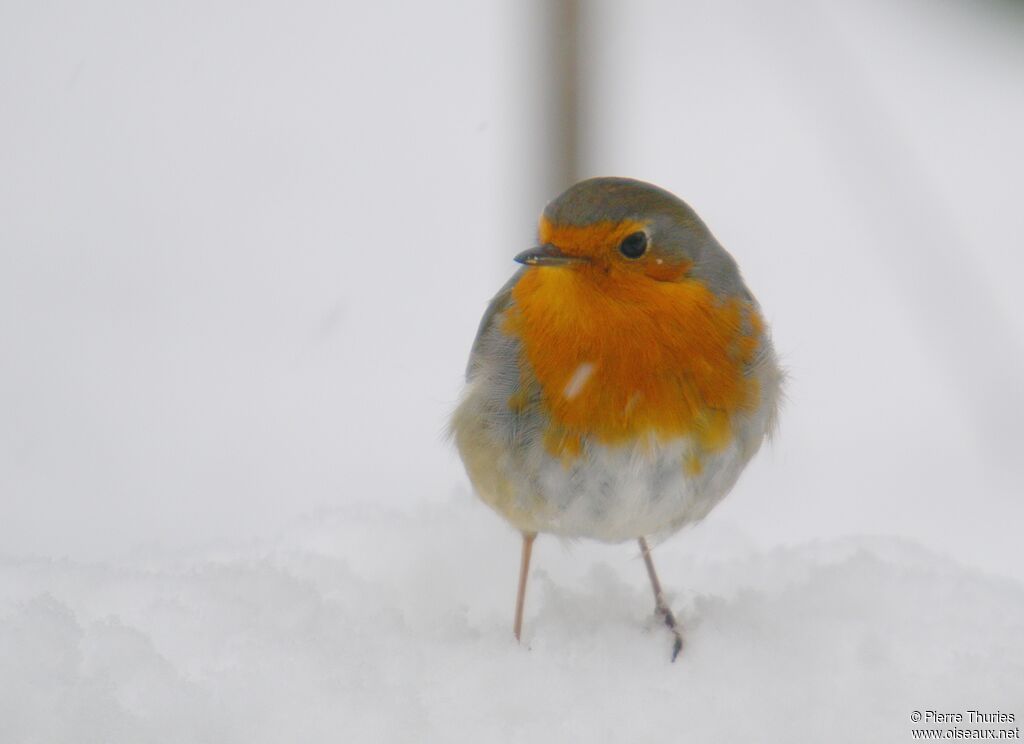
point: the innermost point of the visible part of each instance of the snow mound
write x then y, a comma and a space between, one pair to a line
370, 625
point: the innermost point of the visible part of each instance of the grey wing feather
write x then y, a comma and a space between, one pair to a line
499, 303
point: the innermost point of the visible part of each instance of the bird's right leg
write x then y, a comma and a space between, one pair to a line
524, 571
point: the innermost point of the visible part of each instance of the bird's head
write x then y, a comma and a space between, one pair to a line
626, 231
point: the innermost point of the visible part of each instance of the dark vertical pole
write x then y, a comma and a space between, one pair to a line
544, 110
563, 92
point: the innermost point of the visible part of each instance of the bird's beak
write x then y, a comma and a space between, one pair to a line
547, 255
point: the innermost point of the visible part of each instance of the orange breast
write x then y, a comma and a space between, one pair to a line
620, 357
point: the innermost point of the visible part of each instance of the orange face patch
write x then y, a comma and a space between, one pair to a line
619, 356
599, 242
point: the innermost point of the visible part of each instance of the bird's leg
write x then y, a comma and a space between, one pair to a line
660, 606
524, 570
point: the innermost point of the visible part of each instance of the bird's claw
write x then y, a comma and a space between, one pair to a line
670, 622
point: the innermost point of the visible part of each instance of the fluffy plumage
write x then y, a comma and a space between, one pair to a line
613, 397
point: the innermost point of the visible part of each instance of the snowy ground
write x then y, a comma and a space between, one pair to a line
371, 625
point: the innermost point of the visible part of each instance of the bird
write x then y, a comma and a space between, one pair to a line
620, 381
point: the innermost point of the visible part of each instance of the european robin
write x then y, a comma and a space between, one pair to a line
620, 381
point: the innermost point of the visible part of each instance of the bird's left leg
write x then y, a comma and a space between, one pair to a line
660, 605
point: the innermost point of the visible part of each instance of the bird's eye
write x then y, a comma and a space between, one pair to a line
634, 245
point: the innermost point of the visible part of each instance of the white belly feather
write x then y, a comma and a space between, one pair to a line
620, 493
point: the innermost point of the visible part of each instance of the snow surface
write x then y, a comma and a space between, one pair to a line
372, 625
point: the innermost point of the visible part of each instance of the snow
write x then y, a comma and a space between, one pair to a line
368, 624
578, 379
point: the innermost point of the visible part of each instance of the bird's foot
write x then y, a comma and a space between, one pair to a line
670, 622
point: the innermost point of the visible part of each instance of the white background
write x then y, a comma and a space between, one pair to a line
245, 251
